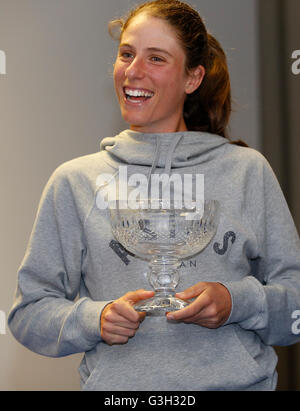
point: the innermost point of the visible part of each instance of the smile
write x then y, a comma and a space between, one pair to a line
137, 95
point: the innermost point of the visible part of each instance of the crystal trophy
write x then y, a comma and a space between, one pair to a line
164, 236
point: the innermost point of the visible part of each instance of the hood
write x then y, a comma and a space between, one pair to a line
164, 150
164, 154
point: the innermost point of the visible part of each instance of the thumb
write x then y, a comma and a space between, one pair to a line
193, 291
135, 296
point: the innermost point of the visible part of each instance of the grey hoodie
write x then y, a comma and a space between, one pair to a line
73, 267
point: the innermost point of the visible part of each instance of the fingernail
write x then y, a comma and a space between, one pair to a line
170, 317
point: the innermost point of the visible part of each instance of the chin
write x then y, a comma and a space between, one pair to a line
134, 121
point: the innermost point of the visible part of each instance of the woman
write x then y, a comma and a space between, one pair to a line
173, 87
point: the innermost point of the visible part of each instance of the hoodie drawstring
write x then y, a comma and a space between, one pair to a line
168, 163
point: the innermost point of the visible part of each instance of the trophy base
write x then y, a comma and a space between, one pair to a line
161, 304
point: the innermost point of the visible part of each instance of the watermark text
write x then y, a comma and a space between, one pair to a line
2, 323
296, 63
139, 191
2, 62
296, 323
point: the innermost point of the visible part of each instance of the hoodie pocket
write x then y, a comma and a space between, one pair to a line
186, 358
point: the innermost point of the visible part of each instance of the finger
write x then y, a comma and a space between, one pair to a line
111, 328
207, 317
127, 302
135, 296
193, 291
117, 340
112, 339
125, 310
142, 316
200, 318
191, 310
120, 321
204, 323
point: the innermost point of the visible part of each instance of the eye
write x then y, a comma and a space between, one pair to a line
126, 55
157, 59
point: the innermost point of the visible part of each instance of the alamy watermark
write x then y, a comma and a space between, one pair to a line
2, 323
296, 63
296, 324
2, 62
138, 191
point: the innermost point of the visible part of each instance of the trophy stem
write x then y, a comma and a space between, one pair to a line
164, 278
163, 274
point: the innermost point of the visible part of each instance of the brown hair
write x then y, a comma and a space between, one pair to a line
209, 107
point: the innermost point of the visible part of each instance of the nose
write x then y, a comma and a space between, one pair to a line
136, 69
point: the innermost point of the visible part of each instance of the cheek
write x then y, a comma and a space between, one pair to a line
118, 75
171, 82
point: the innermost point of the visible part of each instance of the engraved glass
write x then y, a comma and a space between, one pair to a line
164, 235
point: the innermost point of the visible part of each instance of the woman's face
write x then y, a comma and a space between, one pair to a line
150, 78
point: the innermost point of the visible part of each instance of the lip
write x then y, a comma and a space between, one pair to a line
136, 103
138, 88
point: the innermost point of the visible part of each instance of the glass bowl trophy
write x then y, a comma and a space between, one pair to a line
163, 235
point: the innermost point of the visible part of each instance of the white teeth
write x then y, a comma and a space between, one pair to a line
138, 93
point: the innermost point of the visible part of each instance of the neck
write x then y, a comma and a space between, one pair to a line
170, 128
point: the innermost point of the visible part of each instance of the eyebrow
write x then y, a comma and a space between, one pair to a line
153, 49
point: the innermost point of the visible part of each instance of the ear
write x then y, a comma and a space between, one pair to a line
195, 78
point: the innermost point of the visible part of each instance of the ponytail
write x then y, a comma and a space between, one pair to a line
209, 107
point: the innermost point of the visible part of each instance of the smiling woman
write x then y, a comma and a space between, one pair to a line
151, 82
198, 87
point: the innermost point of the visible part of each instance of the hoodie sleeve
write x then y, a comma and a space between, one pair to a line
45, 316
268, 299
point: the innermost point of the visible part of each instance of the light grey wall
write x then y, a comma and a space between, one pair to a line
56, 103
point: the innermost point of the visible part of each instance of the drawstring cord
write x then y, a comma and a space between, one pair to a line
168, 163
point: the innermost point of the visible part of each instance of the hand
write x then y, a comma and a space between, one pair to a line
210, 309
119, 320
